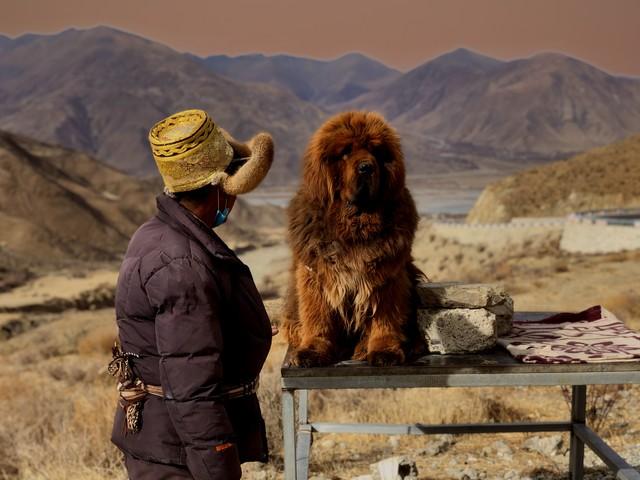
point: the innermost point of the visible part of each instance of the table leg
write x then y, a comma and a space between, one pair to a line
289, 433
303, 407
304, 436
578, 416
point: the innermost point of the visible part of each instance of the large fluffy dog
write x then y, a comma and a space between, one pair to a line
351, 226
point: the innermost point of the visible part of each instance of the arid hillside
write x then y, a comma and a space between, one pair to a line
607, 177
60, 204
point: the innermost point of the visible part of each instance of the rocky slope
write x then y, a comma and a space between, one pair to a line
606, 177
57, 203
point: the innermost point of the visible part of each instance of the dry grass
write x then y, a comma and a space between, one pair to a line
98, 341
626, 306
56, 405
57, 428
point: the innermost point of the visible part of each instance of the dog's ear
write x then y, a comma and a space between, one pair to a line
317, 175
394, 166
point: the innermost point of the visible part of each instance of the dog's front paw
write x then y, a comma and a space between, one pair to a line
309, 357
385, 358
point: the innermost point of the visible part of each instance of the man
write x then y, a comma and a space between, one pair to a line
193, 331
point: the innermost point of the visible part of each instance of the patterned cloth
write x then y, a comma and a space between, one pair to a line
592, 336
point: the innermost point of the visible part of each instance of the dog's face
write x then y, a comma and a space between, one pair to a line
354, 158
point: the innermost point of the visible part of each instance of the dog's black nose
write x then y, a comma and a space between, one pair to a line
365, 168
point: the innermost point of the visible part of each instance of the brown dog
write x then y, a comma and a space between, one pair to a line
351, 227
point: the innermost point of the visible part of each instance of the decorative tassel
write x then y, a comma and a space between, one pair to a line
132, 414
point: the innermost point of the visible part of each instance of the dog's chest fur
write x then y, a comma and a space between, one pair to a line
348, 288
349, 280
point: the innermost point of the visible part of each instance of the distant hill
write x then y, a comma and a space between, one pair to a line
318, 81
426, 87
100, 90
542, 107
4, 41
606, 177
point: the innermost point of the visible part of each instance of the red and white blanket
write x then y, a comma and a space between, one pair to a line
592, 336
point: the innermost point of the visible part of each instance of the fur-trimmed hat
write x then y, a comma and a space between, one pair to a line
191, 152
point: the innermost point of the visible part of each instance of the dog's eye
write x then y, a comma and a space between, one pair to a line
346, 151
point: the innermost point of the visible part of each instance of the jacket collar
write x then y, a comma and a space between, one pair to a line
180, 218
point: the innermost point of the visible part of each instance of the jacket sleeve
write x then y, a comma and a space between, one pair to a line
189, 339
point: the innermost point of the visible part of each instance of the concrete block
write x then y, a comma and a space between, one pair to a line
460, 295
458, 330
504, 316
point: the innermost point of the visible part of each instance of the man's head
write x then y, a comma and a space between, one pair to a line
202, 165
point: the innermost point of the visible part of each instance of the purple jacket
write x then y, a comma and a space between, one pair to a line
188, 306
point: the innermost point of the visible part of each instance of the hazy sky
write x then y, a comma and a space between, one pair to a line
401, 33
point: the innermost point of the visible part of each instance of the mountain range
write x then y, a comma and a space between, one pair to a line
100, 90
548, 104
321, 82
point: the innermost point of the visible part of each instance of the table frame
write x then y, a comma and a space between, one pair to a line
492, 369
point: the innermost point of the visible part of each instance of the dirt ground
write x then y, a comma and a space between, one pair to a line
57, 402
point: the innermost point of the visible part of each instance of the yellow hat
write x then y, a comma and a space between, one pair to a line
191, 152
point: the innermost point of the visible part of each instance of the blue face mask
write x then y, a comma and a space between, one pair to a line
221, 216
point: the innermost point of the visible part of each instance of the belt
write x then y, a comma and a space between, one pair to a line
240, 390
132, 394
133, 390
136, 391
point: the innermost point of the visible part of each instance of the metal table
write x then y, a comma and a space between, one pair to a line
491, 369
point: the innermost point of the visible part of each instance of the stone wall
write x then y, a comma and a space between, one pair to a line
580, 233
499, 234
584, 235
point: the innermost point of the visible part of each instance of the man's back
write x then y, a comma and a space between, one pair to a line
188, 309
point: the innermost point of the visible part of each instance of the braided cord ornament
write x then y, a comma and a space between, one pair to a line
120, 368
